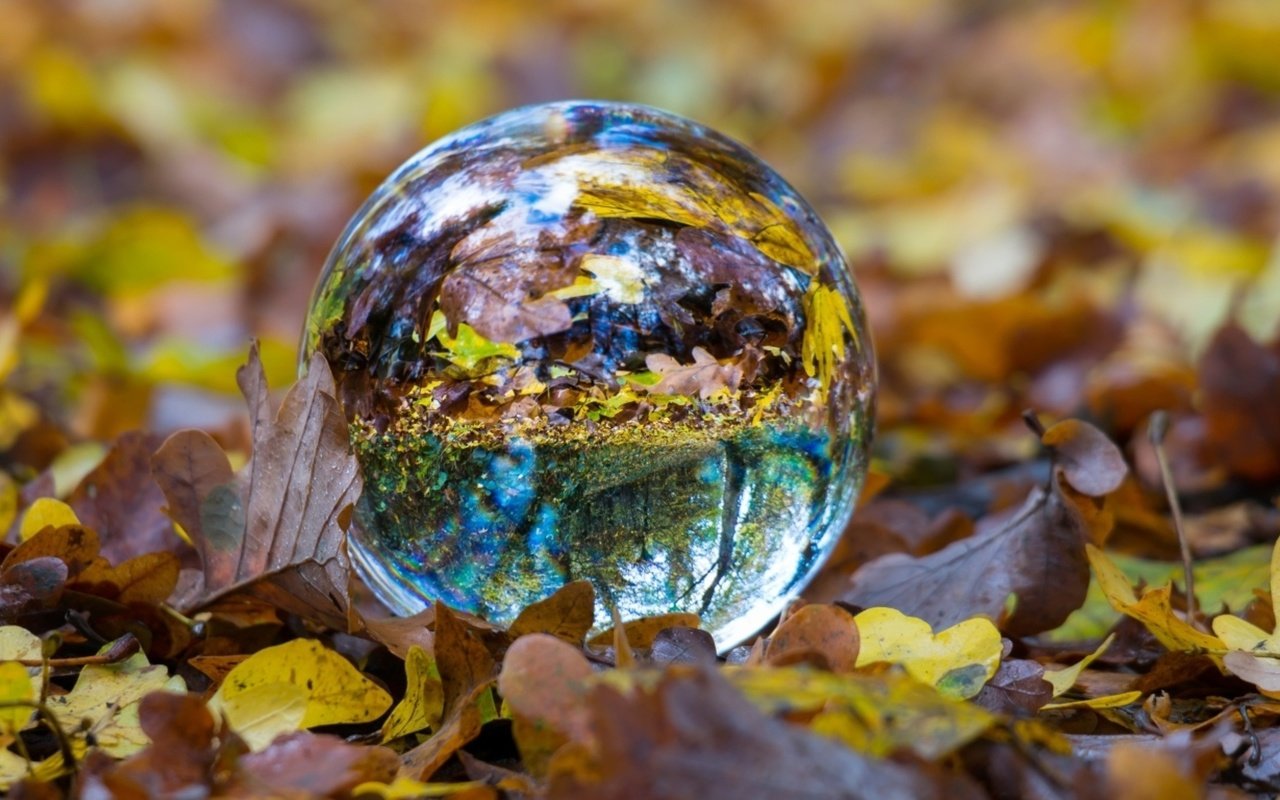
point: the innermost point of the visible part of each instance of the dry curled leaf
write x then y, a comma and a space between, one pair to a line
276, 529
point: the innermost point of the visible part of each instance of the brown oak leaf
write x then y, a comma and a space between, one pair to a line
1035, 554
277, 528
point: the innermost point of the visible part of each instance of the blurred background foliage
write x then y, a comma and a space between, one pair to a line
1048, 204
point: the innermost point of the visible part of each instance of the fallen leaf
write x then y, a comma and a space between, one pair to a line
312, 765
568, 614
334, 692
956, 661
694, 736
1239, 380
121, 501
1143, 773
467, 671
875, 714
1036, 555
1090, 462
544, 679
1154, 610
18, 643
1019, 687
75, 545
32, 585
403, 788
641, 632
1063, 678
1255, 654
1106, 701
827, 630
181, 753
104, 702
423, 701
45, 512
682, 646
276, 529
496, 301
704, 377
15, 688
402, 634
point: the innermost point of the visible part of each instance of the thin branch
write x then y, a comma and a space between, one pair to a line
1157, 428
120, 649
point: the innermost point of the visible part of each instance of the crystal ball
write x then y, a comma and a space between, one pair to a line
597, 341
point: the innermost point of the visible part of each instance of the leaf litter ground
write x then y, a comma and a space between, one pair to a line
933, 671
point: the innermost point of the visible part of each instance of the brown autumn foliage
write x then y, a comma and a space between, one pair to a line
1068, 208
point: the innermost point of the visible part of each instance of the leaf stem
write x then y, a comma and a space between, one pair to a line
1157, 428
120, 649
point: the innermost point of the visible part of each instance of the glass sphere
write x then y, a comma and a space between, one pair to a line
597, 341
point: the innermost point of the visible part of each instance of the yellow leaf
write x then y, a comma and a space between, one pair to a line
823, 348
1106, 701
423, 701
15, 687
403, 788
45, 513
18, 643
104, 702
873, 714
14, 767
262, 712
73, 464
1063, 679
620, 278
956, 661
1239, 634
8, 501
1154, 610
1254, 661
16, 415
336, 692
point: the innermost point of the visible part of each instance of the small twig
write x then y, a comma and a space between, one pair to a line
1157, 428
81, 623
64, 743
120, 649
1255, 757
1033, 422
